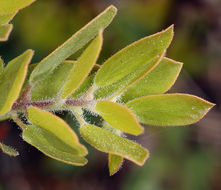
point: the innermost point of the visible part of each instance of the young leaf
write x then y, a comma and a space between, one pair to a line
169, 109
52, 146
119, 117
158, 81
132, 57
108, 142
6, 18
26, 82
57, 127
73, 44
50, 87
5, 30
114, 163
9, 6
8, 150
84, 87
122, 84
83, 66
12, 80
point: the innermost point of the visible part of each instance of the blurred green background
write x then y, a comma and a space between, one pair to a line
182, 158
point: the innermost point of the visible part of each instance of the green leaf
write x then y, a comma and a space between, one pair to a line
83, 66
1, 66
108, 142
121, 85
12, 79
133, 56
50, 87
57, 127
5, 30
9, 6
158, 81
73, 44
87, 83
169, 109
4, 117
84, 87
26, 82
119, 117
6, 18
8, 150
114, 163
52, 146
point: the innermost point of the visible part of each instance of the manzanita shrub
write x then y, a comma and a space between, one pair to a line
127, 92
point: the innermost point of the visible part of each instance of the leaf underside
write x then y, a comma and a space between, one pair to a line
108, 142
52, 146
8, 150
57, 127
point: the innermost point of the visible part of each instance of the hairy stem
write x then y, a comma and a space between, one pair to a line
26, 95
47, 103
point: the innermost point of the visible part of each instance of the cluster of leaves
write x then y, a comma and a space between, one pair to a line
125, 91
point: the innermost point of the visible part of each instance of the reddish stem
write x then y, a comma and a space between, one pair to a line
42, 104
78, 102
25, 97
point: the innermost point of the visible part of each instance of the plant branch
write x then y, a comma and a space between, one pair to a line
41, 104
46, 103
25, 97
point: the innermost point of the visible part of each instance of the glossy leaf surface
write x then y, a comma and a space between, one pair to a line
73, 44
83, 66
114, 163
5, 30
169, 109
57, 127
119, 117
133, 56
158, 81
9, 6
12, 80
108, 142
52, 146
8, 150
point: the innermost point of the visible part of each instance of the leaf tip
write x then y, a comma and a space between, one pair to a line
145, 158
113, 8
